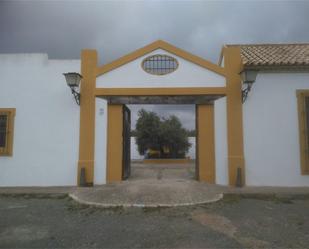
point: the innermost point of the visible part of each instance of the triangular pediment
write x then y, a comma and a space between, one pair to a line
159, 44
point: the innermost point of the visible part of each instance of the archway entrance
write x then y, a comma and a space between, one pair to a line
138, 76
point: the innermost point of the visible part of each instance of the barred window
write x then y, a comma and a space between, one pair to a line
3, 130
160, 64
6, 131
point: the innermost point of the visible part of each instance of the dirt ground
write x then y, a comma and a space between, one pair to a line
234, 222
142, 171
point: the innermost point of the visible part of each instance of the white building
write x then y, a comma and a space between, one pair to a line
46, 139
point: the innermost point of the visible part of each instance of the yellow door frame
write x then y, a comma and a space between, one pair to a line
205, 140
114, 143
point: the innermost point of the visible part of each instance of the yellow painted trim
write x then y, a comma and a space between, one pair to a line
114, 143
206, 143
303, 143
159, 44
221, 55
167, 161
233, 66
8, 149
87, 114
160, 91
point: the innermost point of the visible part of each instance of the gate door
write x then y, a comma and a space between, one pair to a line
126, 159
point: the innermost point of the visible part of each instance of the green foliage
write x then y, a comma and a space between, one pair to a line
164, 135
133, 133
147, 129
191, 133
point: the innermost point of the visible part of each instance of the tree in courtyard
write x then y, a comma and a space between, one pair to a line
174, 137
167, 136
147, 131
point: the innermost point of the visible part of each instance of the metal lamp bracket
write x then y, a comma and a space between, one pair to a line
76, 95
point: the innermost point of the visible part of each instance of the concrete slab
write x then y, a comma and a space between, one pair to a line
151, 185
147, 193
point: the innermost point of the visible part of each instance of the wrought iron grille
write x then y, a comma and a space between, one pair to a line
3, 129
159, 64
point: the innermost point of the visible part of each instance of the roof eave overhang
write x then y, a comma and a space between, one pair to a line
296, 68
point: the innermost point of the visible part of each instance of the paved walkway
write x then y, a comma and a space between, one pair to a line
148, 193
153, 186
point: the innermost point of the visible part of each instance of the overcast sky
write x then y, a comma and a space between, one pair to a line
114, 28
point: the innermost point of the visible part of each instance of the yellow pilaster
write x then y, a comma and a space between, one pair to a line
233, 67
87, 114
205, 143
114, 143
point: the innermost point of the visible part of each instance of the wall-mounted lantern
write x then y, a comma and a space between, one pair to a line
248, 78
73, 81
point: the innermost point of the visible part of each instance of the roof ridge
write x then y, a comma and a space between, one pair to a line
268, 44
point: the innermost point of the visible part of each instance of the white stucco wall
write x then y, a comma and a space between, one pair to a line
191, 153
271, 139
134, 151
46, 134
100, 141
187, 74
221, 141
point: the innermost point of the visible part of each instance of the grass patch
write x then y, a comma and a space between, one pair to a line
276, 198
74, 206
155, 209
34, 195
231, 198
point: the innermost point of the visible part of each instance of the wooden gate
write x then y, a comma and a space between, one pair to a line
126, 159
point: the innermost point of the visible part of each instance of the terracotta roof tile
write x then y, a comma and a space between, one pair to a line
274, 55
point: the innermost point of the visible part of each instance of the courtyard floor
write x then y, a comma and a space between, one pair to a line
233, 222
151, 185
142, 171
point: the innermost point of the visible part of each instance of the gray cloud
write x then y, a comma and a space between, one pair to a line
114, 28
63, 28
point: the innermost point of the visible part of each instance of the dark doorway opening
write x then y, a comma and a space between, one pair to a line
126, 164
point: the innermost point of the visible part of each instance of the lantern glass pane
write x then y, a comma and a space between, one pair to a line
72, 79
249, 76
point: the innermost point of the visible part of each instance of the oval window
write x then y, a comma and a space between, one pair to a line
159, 64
